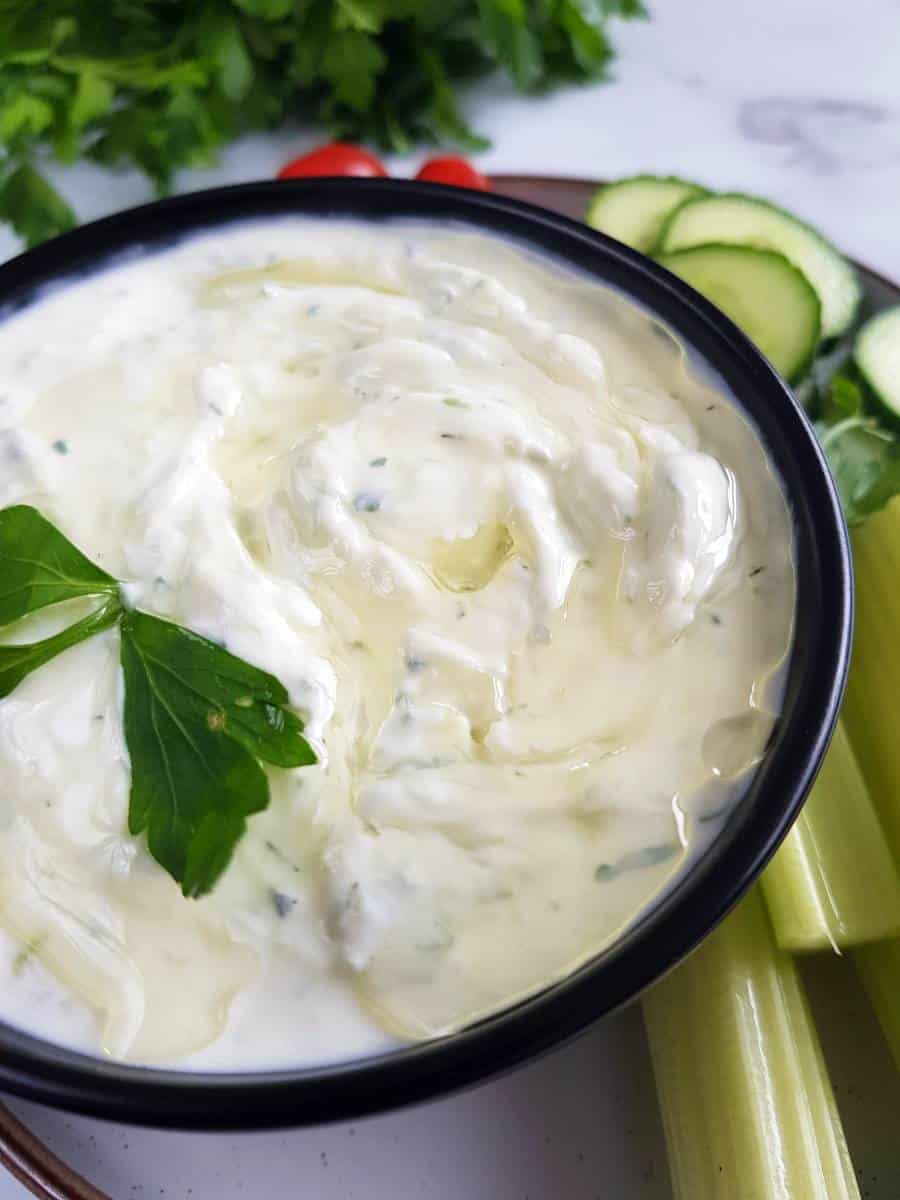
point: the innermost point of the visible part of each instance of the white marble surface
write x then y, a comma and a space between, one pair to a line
798, 100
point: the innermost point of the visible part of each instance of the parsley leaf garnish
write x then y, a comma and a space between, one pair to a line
33, 206
39, 566
863, 454
198, 721
18, 661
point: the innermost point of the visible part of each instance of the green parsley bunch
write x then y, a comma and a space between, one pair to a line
164, 84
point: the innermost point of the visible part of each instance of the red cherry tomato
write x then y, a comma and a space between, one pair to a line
337, 158
454, 171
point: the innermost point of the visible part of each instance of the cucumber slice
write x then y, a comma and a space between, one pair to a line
763, 293
877, 354
634, 210
746, 221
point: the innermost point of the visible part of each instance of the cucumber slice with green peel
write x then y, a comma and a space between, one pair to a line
746, 221
877, 355
634, 210
763, 293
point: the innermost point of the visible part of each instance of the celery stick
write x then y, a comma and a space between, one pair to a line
747, 1106
872, 708
879, 967
834, 882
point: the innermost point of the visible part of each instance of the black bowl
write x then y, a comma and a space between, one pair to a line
42, 1071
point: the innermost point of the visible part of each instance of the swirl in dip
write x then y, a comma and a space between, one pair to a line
523, 568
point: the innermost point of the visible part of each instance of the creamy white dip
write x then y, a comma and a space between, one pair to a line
523, 569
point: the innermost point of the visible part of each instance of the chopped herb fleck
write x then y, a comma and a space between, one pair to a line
61, 446
450, 437
282, 903
377, 462
715, 618
635, 860
710, 407
28, 950
366, 502
717, 815
273, 849
756, 571
452, 402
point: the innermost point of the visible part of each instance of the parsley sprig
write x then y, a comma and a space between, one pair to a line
160, 86
863, 453
198, 721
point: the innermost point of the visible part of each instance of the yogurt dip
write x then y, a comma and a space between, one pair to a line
522, 566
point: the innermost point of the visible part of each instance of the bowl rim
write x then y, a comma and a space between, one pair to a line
39, 1070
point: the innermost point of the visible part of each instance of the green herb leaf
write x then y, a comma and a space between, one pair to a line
24, 115
32, 206
515, 43
629, 9
366, 15
863, 454
267, 10
585, 20
196, 721
211, 847
18, 661
39, 566
351, 63
240, 700
223, 43
163, 85
843, 399
865, 462
91, 98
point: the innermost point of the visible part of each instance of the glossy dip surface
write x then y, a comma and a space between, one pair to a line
523, 568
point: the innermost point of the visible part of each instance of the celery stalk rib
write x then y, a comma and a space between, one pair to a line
747, 1106
879, 968
834, 882
871, 713
872, 707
